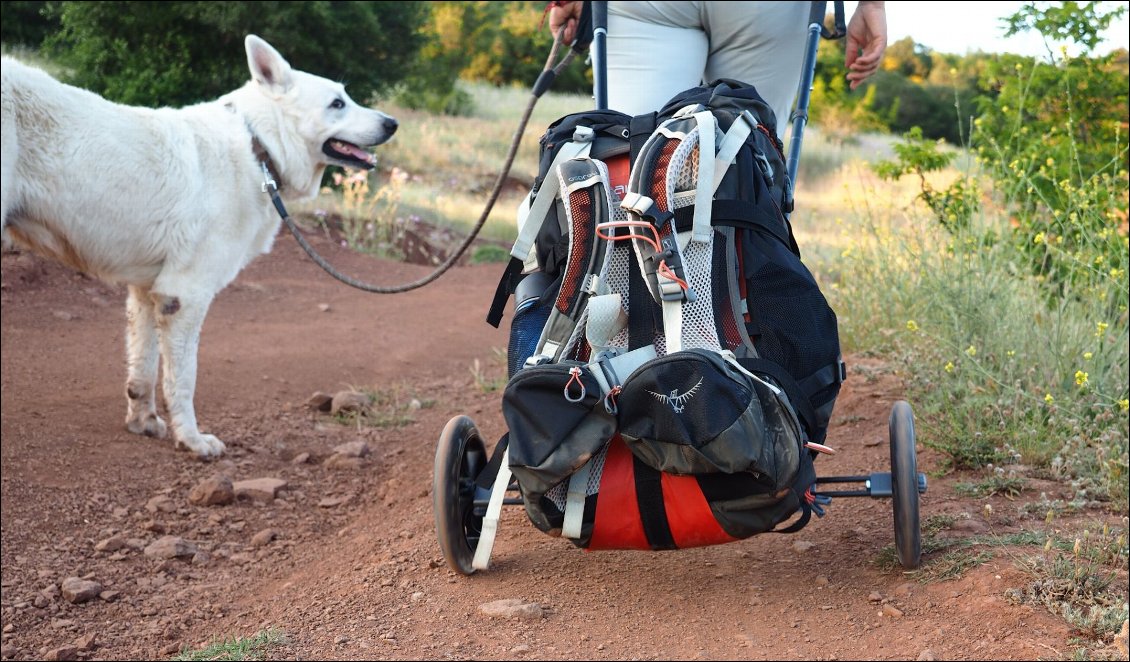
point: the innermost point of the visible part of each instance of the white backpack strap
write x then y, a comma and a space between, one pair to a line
743, 125
528, 231
481, 560
575, 501
704, 195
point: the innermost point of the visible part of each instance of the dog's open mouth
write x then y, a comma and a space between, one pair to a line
348, 154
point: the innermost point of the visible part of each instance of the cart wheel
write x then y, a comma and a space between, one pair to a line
904, 485
460, 458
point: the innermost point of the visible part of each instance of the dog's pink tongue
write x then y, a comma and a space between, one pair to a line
354, 151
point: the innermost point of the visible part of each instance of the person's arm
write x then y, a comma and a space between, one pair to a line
866, 41
565, 14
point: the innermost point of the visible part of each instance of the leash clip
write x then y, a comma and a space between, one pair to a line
269, 183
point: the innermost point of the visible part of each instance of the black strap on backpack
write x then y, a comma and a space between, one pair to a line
816, 15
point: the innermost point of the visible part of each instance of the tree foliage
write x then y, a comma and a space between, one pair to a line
177, 53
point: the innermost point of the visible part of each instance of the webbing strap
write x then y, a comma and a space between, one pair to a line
649, 499
673, 325
539, 209
481, 561
707, 172
575, 502
732, 142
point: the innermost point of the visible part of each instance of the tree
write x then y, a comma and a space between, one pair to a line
908, 59
177, 53
26, 23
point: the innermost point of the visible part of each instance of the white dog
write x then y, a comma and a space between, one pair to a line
170, 202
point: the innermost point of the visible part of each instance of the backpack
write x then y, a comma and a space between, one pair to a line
672, 363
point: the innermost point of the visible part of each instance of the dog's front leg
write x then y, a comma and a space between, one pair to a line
179, 320
142, 360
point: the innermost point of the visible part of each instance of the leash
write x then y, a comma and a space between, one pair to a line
270, 185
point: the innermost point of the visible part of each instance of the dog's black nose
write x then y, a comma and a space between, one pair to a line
390, 125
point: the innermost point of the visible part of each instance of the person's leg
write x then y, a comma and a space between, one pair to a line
655, 50
760, 43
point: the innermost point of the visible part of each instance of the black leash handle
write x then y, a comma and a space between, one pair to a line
549, 73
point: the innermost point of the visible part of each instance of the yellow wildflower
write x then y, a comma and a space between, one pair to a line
1048, 398
949, 366
1124, 404
1100, 329
971, 351
1081, 378
1087, 356
911, 325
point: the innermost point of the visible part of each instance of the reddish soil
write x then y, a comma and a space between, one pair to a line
355, 570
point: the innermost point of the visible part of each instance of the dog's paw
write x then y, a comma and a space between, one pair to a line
204, 445
149, 425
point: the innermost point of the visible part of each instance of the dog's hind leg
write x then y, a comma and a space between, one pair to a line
179, 320
9, 142
142, 356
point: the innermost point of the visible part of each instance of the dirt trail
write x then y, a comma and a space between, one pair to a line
354, 570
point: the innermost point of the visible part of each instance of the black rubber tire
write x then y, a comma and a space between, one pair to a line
460, 458
904, 483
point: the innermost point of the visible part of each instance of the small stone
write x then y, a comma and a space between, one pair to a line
9, 651
170, 547
154, 526
87, 642
62, 653
324, 307
343, 462
927, 655
214, 491
512, 608
161, 504
320, 401
417, 596
77, 590
802, 546
821, 580
892, 611
349, 401
201, 558
264, 537
259, 489
353, 449
111, 544
333, 502
875, 597
301, 458
109, 596
340, 639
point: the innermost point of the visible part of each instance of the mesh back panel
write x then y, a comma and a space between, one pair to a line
525, 331
558, 494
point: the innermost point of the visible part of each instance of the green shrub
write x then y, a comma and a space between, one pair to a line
178, 53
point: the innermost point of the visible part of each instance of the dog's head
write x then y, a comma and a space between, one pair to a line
316, 112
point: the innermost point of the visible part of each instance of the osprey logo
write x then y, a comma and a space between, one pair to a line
677, 400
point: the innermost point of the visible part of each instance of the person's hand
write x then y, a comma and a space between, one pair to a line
866, 32
565, 14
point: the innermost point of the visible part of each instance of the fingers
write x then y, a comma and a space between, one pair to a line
862, 65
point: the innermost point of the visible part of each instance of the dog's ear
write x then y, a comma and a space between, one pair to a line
268, 68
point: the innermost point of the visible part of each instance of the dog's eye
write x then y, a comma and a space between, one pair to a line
337, 104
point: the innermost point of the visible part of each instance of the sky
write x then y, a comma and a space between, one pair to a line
960, 27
